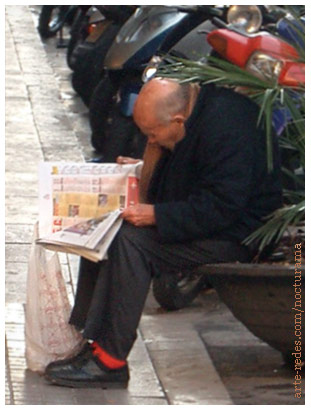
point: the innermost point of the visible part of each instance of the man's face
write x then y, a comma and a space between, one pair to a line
164, 134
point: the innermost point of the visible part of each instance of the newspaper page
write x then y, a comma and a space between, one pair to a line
89, 238
70, 193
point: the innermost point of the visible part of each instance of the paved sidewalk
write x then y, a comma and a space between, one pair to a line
169, 363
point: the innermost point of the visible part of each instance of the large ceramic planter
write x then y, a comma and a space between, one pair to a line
268, 299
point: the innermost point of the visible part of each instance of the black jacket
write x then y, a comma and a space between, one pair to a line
215, 183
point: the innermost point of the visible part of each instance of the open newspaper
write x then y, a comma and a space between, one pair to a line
89, 238
79, 205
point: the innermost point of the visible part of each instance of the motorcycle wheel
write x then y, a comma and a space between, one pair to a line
83, 86
176, 291
51, 19
112, 133
78, 34
86, 61
101, 103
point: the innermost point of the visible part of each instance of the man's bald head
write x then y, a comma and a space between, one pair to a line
163, 98
161, 110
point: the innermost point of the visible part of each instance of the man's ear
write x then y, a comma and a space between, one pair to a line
179, 119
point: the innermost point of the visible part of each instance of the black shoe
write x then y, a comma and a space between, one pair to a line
84, 351
86, 371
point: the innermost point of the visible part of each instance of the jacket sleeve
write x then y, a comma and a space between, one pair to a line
225, 162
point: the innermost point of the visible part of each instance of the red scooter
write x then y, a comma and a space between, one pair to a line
266, 56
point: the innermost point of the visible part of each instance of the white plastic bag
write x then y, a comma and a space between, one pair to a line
48, 336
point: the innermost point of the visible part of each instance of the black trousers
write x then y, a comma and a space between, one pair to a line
111, 294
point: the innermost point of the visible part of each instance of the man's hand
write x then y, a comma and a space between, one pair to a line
127, 160
140, 215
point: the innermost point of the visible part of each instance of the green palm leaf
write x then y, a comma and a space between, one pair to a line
278, 222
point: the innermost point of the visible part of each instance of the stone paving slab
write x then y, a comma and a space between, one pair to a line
253, 372
15, 87
28, 387
24, 211
179, 356
18, 233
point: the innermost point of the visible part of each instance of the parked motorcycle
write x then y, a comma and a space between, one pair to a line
92, 33
190, 41
78, 32
113, 130
266, 56
53, 18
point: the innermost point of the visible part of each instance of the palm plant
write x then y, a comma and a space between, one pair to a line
269, 95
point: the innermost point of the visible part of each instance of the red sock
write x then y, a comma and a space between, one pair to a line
106, 358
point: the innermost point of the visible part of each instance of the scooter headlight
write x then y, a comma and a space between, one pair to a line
245, 18
151, 69
264, 66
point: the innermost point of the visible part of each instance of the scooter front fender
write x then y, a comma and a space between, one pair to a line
146, 25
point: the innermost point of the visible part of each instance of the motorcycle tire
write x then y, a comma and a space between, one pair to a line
48, 24
100, 107
84, 85
87, 63
112, 133
78, 34
176, 291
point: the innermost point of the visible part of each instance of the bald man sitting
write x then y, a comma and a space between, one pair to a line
205, 187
